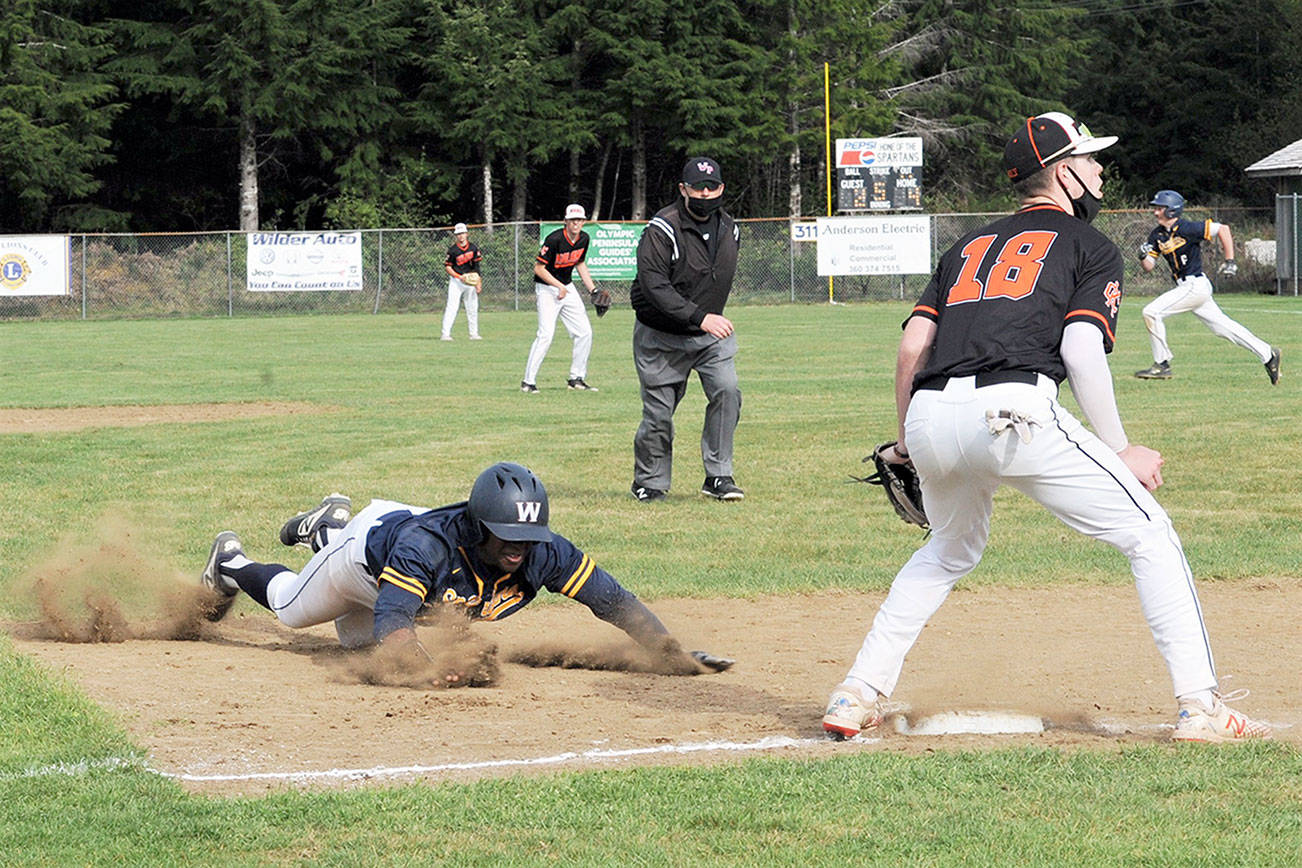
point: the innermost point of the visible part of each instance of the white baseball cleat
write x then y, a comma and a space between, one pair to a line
849, 713
1219, 723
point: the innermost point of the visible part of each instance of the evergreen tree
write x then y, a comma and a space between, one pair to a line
272, 73
56, 110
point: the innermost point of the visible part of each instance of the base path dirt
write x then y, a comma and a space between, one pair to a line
21, 420
252, 706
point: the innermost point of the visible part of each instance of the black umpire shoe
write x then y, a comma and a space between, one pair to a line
304, 528
1272, 367
646, 495
226, 546
722, 488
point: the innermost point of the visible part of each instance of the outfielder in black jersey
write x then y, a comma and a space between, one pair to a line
1012, 310
562, 253
375, 573
464, 282
1178, 242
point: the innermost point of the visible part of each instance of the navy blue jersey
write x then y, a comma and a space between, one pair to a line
1002, 295
463, 259
432, 558
559, 254
1181, 246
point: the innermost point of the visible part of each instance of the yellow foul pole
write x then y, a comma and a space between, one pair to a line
827, 145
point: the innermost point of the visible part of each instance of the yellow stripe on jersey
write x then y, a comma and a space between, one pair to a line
580, 577
407, 583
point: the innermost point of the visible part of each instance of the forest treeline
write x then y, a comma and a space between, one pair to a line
161, 115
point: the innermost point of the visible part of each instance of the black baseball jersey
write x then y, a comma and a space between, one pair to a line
1181, 245
1002, 295
559, 254
463, 259
432, 558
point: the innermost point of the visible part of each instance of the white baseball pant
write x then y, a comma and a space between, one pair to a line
1195, 294
575, 317
458, 293
1067, 470
335, 585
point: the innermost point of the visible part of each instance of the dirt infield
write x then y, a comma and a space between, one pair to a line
249, 697
40, 421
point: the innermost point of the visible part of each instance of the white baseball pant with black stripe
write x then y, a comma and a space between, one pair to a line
575, 317
1067, 470
335, 584
1194, 294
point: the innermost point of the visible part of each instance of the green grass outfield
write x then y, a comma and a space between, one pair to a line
398, 414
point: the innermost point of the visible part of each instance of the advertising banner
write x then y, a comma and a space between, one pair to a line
612, 255
34, 265
304, 261
874, 245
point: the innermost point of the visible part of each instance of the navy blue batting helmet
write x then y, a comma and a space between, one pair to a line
510, 501
1172, 201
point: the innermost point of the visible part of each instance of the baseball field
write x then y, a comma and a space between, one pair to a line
134, 733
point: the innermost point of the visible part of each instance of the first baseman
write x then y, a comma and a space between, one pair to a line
1178, 242
462, 261
1012, 310
373, 573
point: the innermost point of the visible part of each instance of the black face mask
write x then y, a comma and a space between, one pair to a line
703, 208
1086, 206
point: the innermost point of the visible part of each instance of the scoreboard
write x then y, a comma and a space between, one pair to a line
879, 174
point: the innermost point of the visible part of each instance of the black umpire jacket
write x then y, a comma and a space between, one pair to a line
678, 282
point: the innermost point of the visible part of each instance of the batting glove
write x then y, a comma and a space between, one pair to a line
1144, 250
1229, 268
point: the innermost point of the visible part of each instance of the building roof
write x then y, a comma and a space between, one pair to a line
1286, 161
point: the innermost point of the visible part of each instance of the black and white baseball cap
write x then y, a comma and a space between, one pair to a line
1048, 137
700, 169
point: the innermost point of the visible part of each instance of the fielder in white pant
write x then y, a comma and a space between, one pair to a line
1013, 309
1178, 242
563, 252
461, 293
464, 282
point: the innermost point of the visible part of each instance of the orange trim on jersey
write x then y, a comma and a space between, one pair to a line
922, 308
1043, 206
407, 583
566, 232
1107, 326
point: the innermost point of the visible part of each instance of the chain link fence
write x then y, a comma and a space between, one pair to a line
204, 274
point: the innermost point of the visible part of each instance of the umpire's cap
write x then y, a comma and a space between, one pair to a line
1045, 138
510, 501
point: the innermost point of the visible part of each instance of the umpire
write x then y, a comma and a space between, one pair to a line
685, 264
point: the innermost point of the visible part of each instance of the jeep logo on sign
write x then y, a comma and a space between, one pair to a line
528, 510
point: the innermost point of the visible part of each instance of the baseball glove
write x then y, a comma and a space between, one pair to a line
472, 278
901, 484
600, 301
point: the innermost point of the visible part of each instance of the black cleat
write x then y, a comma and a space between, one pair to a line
1158, 371
302, 529
1272, 367
577, 384
226, 546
